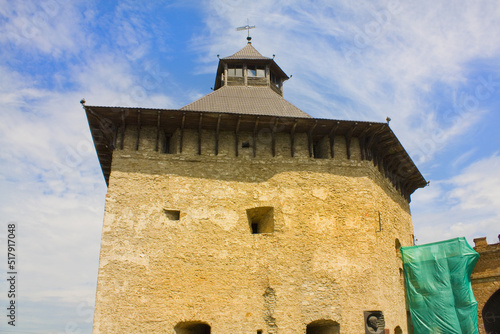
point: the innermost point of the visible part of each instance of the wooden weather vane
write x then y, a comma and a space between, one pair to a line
247, 28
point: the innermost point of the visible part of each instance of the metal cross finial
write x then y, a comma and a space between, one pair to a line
247, 27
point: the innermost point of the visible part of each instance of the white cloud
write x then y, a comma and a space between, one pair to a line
478, 187
49, 26
111, 80
467, 204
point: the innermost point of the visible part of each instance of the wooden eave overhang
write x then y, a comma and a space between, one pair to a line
377, 141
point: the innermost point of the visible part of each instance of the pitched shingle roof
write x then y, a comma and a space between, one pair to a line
248, 52
246, 100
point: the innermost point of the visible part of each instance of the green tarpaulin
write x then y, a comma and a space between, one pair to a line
438, 287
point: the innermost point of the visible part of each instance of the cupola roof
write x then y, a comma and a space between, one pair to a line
249, 57
248, 83
248, 52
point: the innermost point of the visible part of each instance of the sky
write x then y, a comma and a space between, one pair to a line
433, 67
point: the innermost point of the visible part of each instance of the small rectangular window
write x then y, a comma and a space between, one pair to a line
235, 71
252, 71
261, 72
166, 143
321, 148
172, 214
261, 219
275, 80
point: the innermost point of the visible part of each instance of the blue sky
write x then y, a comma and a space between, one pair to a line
432, 66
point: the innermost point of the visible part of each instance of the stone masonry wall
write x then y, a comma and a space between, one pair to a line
485, 278
333, 253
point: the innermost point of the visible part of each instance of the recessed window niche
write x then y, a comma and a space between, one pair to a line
261, 219
166, 145
321, 148
172, 214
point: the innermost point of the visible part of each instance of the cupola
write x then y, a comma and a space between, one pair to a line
248, 67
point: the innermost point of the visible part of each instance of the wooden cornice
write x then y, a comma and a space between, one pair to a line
377, 141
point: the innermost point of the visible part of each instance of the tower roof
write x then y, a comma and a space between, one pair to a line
246, 100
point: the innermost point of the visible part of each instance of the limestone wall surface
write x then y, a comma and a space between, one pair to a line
332, 254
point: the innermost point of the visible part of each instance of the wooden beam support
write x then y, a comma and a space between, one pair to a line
254, 137
166, 145
115, 137
389, 161
391, 167
236, 135
371, 141
183, 122
273, 136
393, 178
368, 145
105, 130
331, 137
376, 153
380, 148
405, 190
157, 132
292, 137
310, 139
348, 137
124, 125
217, 135
387, 141
138, 130
362, 141
199, 133
414, 177
380, 160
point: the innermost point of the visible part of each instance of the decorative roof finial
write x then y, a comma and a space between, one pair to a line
247, 27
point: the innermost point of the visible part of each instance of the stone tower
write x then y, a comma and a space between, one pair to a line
240, 213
